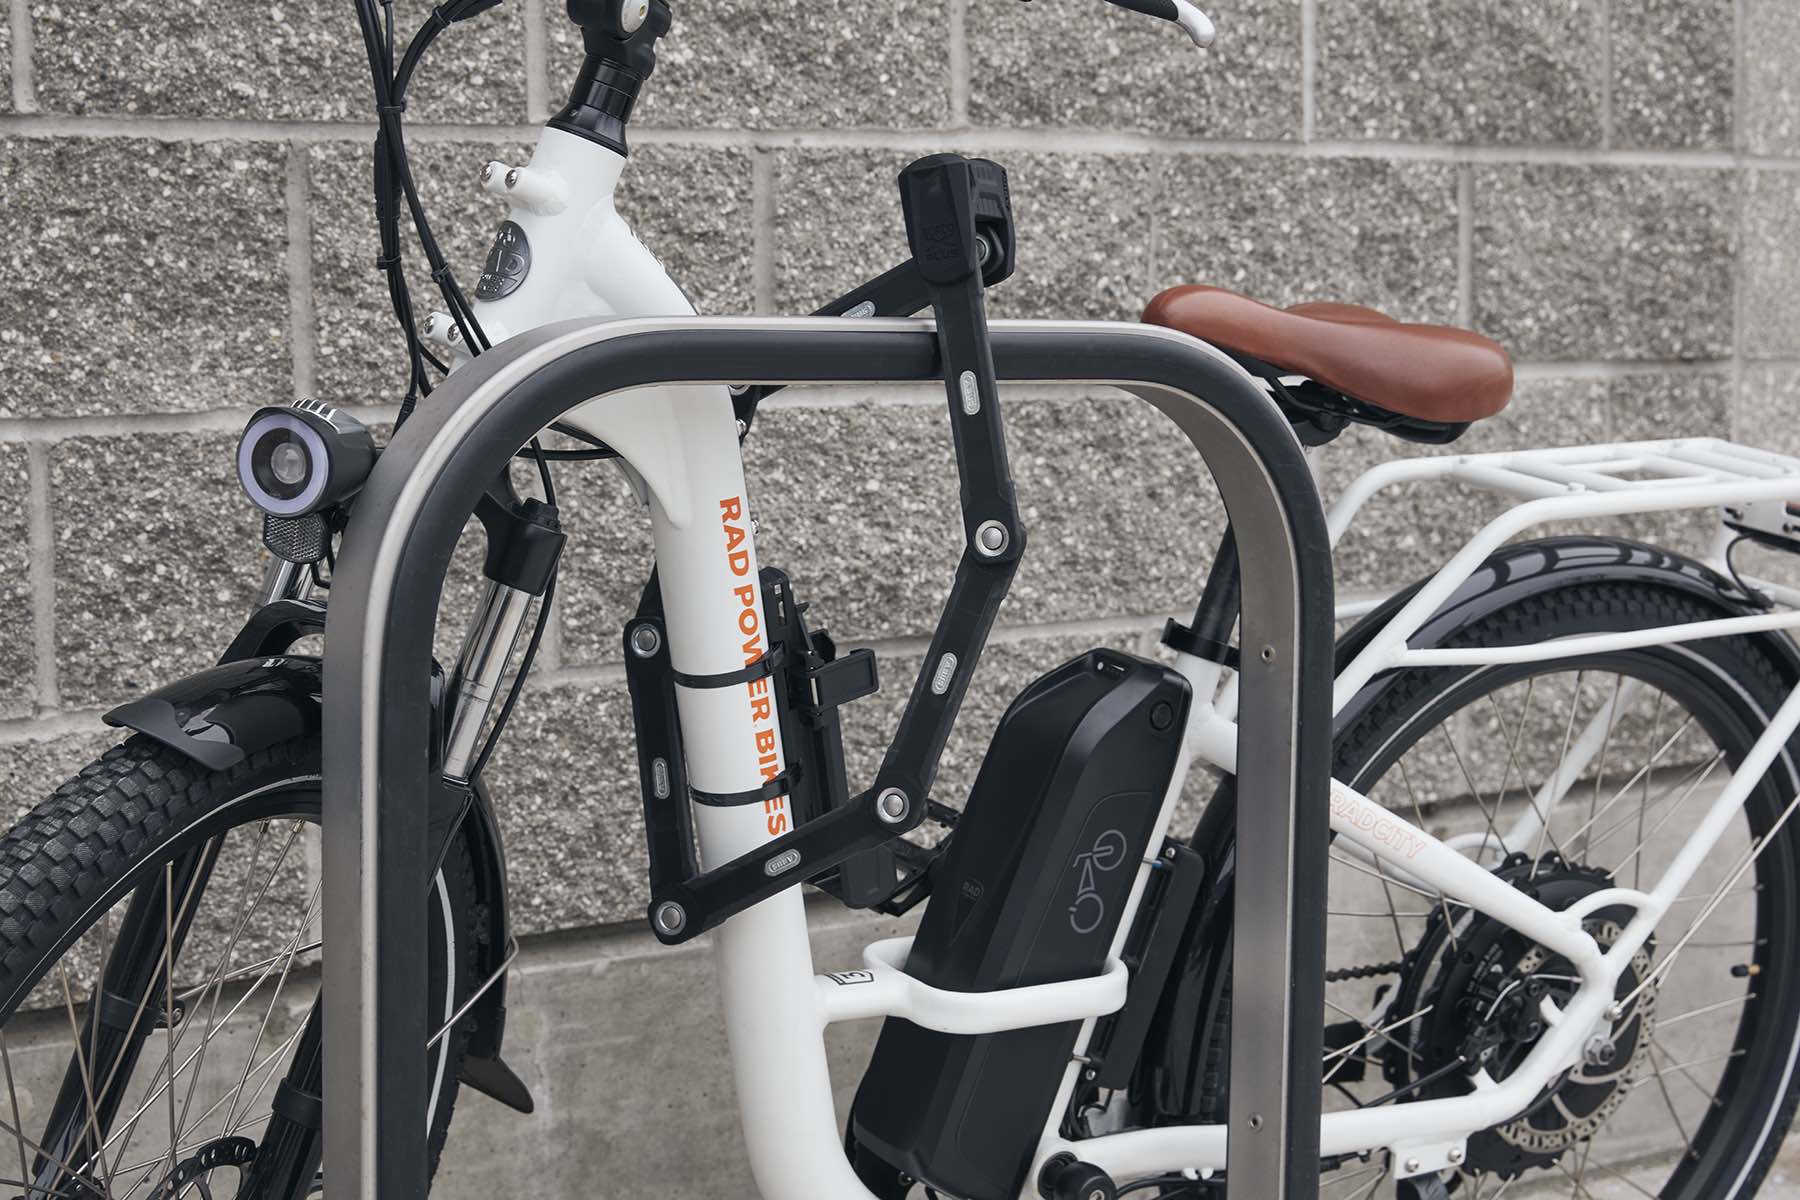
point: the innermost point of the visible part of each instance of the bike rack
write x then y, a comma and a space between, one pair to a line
378, 653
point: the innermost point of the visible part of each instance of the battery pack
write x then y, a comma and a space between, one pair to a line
1031, 890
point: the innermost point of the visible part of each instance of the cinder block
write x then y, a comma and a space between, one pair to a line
18, 652
741, 64
266, 63
158, 559
1768, 408
1575, 262
36, 767
1673, 72
1423, 71
1065, 63
156, 278
1771, 265
1287, 230
692, 206
1085, 226
6, 98
837, 222
1771, 42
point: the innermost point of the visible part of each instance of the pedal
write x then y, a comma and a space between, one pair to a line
1064, 1177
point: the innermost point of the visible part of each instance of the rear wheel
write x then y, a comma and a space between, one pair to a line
1691, 1097
159, 953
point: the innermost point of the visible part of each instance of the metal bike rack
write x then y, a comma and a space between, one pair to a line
378, 654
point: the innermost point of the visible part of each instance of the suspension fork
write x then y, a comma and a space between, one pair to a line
127, 1005
288, 1159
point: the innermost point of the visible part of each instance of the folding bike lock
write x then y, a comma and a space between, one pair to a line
958, 221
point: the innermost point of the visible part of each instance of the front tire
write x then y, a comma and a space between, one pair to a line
144, 849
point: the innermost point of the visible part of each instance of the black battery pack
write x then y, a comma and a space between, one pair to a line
1031, 890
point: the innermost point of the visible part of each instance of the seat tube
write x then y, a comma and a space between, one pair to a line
712, 607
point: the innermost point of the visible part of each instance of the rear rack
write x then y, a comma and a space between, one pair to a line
1755, 491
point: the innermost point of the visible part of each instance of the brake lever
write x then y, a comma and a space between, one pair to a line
1196, 24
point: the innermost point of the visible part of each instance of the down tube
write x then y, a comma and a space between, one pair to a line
708, 570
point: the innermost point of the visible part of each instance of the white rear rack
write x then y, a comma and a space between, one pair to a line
1752, 488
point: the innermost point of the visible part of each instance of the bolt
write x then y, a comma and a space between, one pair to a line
1090, 1074
1456, 1155
1411, 1166
645, 641
743, 427
1600, 1051
991, 538
1256, 1122
671, 917
1169, 853
892, 806
512, 178
632, 14
487, 173
1097, 1194
1268, 654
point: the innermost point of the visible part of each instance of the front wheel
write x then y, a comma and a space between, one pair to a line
159, 957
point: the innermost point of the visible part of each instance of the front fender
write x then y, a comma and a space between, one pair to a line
221, 716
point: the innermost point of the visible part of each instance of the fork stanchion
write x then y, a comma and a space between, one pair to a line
378, 657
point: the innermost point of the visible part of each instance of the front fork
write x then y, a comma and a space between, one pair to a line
132, 998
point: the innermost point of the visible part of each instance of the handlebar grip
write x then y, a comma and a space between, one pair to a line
1180, 12
1150, 8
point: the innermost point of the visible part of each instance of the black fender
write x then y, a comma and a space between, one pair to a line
1182, 1072
260, 697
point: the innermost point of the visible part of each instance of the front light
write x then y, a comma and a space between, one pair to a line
303, 459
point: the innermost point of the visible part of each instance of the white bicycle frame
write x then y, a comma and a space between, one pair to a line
680, 446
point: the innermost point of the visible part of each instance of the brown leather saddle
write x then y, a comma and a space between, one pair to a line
1424, 382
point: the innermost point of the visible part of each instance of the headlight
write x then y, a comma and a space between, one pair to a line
303, 458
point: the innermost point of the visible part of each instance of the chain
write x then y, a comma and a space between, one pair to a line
1371, 971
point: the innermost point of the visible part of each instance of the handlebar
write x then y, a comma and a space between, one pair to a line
1195, 23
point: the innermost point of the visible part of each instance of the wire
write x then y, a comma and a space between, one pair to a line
394, 184
1755, 595
1160, 1181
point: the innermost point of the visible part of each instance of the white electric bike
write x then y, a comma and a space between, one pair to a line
1504, 909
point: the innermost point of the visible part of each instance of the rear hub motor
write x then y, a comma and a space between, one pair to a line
1486, 985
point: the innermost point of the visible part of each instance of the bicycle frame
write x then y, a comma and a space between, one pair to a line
680, 446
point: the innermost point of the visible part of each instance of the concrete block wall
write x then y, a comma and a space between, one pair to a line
1610, 187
